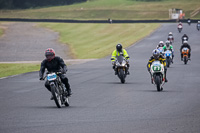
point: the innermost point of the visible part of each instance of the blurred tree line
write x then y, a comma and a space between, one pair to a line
23, 4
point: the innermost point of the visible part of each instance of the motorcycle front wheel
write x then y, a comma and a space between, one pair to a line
122, 75
185, 60
56, 96
157, 81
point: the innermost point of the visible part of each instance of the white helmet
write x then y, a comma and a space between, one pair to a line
185, 42
170, 33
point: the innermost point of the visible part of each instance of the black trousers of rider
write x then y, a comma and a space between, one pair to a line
65, 81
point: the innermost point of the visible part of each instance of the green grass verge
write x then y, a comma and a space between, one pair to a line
14, 69
104, 9
1, 32
99, 40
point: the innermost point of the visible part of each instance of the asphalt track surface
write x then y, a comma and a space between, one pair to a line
101, 104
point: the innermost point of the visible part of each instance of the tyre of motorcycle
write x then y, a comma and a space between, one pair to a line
168, 61
65, 98
185, 60
121, 75
179, 29
56, 95
158, 82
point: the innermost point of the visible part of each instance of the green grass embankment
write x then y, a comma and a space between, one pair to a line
99, 40
14, 69
104, 9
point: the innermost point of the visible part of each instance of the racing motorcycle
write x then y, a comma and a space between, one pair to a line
58, 89
170, 39
121, 67
189, 21
157, 74
185, 52
180, 27
198, 27
184, 39
168, 55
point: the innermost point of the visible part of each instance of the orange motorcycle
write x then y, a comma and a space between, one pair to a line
185, 52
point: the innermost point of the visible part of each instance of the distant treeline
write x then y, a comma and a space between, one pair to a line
23, 4
149, 0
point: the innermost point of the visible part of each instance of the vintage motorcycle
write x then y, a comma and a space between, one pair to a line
158, 75
168, 55
185, 52
58, 89
121, 67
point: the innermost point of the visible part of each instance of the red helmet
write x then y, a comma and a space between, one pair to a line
50, 54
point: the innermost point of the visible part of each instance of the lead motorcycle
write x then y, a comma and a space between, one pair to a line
58, 89
168, 56
121, 67
158, 75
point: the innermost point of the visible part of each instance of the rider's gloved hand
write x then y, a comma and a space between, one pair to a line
113, 63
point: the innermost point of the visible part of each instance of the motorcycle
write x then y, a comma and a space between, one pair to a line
185, 52
157, 74
198, 27
57, 89
121, 67
168, 55
184, 39
180, 27
170, 39
189, 22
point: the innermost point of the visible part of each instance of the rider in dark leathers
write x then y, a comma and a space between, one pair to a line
54, 64
185, 44
183, 38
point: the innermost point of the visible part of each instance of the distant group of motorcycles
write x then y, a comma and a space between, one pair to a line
180, 26
157, 69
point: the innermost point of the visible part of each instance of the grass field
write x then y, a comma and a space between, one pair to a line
14, 69
99, 40
104, 9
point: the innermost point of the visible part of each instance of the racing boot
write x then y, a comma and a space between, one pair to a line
69, 92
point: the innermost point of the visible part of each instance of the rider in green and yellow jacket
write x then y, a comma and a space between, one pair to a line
116, 53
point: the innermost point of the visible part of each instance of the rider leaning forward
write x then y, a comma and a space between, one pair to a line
54, 64
157, 57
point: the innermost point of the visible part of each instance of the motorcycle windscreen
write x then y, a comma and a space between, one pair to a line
120, 59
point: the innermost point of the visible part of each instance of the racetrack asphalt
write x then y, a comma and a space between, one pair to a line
101, 104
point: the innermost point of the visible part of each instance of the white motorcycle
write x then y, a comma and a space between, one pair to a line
158, 75
180, 27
